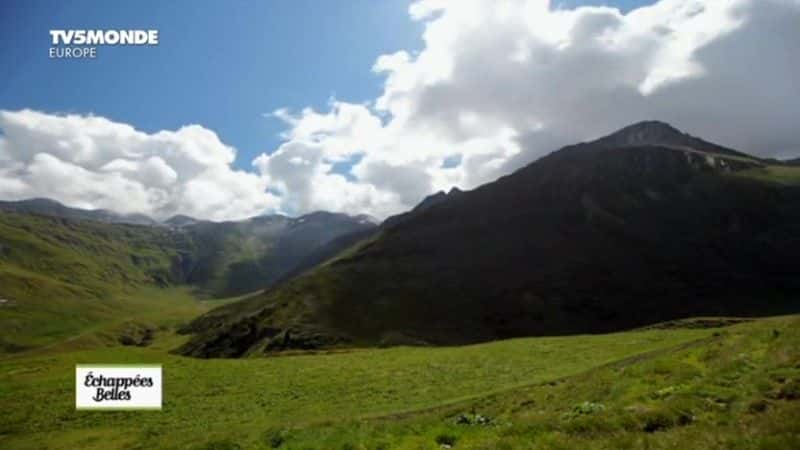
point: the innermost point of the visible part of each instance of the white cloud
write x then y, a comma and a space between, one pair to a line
92, 162
496, 85
502, 83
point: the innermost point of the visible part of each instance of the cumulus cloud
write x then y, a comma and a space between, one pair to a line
496, 85
499, 84
92, 162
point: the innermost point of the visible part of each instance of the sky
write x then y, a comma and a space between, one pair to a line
221, 64
362, 106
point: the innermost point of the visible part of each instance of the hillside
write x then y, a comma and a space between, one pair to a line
61, 272
59, 275
645, 225
222, 258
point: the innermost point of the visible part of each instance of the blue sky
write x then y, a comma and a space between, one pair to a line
219, 64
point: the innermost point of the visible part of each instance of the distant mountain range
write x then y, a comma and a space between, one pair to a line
52, 208
47, 207
217, 258
644, 225
231, 258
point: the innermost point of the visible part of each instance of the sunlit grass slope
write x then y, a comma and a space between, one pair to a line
726, 388
59, 276
786, 175
207, 401
739, 389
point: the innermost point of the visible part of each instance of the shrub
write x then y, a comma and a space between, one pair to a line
667, 391
585, 408
789, 391
473, 419
757, 406
656, 421
275, 438
446, 440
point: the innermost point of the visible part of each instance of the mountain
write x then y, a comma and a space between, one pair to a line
327, 252
180, 220
427, 202
47, 207
645, 225
664, 135
233, 258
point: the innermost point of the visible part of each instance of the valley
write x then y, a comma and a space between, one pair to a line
400, 225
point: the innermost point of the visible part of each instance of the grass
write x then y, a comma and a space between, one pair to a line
159, 310
785, 175
739, 389
241, 400
683, 385
60, 276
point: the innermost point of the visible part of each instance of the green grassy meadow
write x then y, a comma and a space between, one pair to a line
732, 387
663, 388
786, 175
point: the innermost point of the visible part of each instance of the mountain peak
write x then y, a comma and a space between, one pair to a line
657, 133
650, 132
180, 220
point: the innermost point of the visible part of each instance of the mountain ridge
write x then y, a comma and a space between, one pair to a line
53, 208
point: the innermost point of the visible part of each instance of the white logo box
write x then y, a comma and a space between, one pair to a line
118, 386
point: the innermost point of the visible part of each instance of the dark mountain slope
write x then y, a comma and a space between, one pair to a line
643, 226
328, 251
424, 205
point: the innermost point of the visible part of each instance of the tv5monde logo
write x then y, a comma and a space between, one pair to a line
82, 44
118, 387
